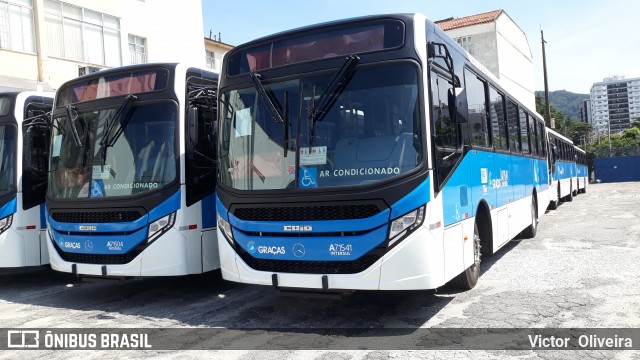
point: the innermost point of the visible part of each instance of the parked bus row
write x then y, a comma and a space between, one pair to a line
370, 153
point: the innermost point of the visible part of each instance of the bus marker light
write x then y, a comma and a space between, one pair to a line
435, 226
31, 227
193, 227
466, 238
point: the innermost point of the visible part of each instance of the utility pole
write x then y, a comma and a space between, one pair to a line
552, 123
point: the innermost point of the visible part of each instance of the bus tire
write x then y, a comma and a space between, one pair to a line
569, 198
469, 278
531, 230
553, 204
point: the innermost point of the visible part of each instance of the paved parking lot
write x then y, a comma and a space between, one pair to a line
581, 271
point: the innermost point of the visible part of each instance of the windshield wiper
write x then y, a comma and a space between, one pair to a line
278, 114
334, 89
275, 111
107, 140
74, 130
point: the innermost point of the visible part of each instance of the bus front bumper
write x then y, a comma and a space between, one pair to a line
411, 265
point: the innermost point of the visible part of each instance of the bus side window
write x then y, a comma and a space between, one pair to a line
444, 125
496, 100
477, 111
512, 121
524, 132
535, 133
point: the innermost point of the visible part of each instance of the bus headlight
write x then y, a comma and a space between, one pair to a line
5, 223
226, 228
161, 226
405, 225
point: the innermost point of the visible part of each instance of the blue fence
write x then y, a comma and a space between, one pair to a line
617, 169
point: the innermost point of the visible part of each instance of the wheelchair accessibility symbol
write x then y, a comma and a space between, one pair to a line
308, 178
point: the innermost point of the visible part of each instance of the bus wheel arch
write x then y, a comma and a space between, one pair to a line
485, 229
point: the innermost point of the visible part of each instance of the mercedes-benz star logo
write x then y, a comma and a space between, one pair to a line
298, 250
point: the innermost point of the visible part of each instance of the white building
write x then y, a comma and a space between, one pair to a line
495, 40
215, 50
48, 42
615, 103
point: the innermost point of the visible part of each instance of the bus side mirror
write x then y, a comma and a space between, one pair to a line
192, 124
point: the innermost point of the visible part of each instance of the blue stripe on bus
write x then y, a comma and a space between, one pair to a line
9, 208
498, 179
209, 212
43, 216
96, 243
220, 209
99, 244
166, 207
332, 248
416, 198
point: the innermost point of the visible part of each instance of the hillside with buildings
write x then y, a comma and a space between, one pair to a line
566, 102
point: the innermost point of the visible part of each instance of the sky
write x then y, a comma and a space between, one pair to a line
587, 40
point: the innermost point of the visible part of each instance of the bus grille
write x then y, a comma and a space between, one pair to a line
96, 216
308, 213
100, 259
310, 267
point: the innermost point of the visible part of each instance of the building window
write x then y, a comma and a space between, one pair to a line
81, 34
465, 43
16, 25
138, 49
211, 60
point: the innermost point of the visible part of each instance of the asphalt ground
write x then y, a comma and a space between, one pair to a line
580, 271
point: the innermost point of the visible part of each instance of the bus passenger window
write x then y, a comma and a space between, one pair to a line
477, 120
498, 121
524, 132
445, 127
512, 120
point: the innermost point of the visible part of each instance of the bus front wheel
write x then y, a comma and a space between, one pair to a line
469, 278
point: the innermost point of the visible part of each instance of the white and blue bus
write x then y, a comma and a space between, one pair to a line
370, 153
132, 173
582, 170
564, 176
23, 177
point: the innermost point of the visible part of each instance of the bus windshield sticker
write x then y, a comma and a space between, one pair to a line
308, 178
57, 144
316, 155
243, 122
101, 172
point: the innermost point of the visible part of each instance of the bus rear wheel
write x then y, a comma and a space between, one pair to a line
469, 278
569, 198
530, 232
553, 205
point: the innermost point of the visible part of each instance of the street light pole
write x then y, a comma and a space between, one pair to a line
546, 85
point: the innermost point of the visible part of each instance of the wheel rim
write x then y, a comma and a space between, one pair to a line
534, 220
476, 252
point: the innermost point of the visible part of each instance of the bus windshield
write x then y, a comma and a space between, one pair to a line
7, 158
370, 132
137, 158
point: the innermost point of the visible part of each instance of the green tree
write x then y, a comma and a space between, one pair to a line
577, 131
